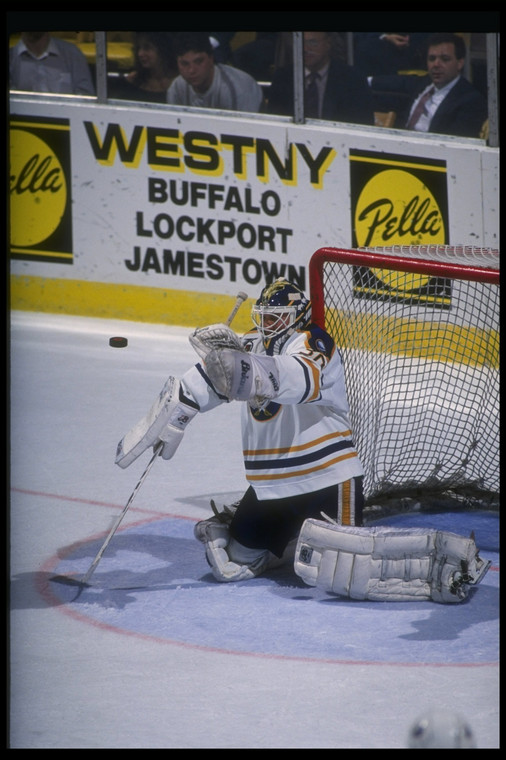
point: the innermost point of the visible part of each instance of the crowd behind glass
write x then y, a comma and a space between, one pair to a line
404, 80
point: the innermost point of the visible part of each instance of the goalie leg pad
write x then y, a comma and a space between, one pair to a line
388, 564
165, 421
216, 538
457, 566
228, 559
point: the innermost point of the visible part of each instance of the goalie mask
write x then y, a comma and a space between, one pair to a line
281, 309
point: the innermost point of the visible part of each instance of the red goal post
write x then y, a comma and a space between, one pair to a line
418, 331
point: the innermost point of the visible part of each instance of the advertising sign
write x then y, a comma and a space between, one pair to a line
125, 210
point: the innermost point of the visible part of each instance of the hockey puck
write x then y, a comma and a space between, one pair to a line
118, 342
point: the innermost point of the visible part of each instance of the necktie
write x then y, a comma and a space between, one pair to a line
311, 105
420, 107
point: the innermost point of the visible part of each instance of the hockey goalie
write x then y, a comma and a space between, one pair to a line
300, 463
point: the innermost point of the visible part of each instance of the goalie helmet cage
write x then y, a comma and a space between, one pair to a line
418, 331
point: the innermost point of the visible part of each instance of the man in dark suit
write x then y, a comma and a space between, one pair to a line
334, 91
443, 101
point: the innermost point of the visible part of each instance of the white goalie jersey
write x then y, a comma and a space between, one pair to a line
290, 450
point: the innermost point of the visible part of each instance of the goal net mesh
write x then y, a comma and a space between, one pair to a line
418, 331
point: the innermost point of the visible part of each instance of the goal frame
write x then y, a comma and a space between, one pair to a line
401, 263
470, 263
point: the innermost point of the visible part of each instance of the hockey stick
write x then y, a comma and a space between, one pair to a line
83, 583
84, 580
241, 297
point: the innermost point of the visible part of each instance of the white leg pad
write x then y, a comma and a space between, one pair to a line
231, 561
388, 564
216, 537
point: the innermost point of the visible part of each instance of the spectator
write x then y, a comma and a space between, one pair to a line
340, 92
379, 54
443, 101
204, 83
155, 69
42, 63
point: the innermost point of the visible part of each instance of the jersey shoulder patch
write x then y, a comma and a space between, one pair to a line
251, 341
319, 340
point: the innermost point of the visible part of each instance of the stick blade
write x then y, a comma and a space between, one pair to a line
69, 581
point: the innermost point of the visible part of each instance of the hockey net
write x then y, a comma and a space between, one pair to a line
418, 331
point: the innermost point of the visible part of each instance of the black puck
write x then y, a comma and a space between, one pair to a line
118, 342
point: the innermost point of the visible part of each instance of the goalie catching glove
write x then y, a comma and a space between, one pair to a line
240, 376
166, 421
213, 337
388, 564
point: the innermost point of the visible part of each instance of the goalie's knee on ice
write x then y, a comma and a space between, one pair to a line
229, 561
228, 564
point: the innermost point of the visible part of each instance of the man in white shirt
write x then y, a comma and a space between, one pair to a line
42, 63
443, 101
206, 84
444, 67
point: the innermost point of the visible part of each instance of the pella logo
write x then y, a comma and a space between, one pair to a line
40, 216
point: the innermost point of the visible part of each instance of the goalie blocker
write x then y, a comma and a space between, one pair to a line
166, 421
388, 564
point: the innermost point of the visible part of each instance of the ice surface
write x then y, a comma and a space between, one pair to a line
155, 654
